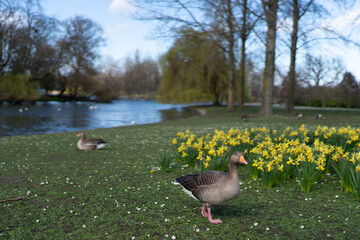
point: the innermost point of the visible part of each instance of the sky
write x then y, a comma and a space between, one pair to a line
125, 35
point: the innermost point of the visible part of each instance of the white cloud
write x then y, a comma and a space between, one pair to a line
345, 22
121, 6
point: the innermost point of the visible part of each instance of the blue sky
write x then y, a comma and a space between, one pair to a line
125, 35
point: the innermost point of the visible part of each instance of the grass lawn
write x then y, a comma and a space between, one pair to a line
111, 194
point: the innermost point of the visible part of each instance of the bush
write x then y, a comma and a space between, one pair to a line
341, 102
17, 88
331, 103
315, 103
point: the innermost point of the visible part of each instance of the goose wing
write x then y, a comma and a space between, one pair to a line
94, 142
195, 181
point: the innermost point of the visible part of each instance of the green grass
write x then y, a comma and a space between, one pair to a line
111, 194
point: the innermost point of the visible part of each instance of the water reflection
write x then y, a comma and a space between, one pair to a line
176, 113
48, 117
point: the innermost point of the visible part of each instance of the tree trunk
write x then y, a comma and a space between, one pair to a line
270, 9
242, 75
76, 83
231, 75
323, 92
243, 36
1, 55
292, 73
349, 102
231, 56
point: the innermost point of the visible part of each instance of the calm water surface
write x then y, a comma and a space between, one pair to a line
50, 117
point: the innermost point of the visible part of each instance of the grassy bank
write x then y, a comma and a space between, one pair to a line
111, 194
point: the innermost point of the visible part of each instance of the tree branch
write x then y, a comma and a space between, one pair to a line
12, 199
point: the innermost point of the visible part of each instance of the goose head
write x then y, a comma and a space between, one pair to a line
237, 158
80, 134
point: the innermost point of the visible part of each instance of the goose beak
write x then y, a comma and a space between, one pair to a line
243, 161
78, 135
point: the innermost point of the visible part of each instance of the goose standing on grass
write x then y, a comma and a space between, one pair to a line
90, 144
319, 116
214, 187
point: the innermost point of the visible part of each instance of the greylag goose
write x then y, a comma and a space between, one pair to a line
90, 144
245, 118
300, 115
214, 187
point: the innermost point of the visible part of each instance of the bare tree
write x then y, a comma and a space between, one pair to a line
30, 45
33, 27
104, 86
270, 9
255, 85
230, 37
246, 25
349, 89
82, 39
43, 66
8, 24
310, 29
140, 76
19, 22
299, 9
213, 17
322, 73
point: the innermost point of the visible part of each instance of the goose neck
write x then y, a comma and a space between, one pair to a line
233, 171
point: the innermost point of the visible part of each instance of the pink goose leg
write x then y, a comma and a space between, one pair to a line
203, 211
215, 221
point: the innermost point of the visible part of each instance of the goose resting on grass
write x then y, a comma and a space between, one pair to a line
90, 144
214, 187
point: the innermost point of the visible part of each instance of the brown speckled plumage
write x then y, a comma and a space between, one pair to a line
214, 187
90, 144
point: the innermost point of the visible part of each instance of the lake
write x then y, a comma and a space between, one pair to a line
50, 117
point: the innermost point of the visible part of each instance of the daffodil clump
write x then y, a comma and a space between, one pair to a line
275, 156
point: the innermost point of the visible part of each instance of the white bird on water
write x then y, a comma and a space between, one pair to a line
93, 107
